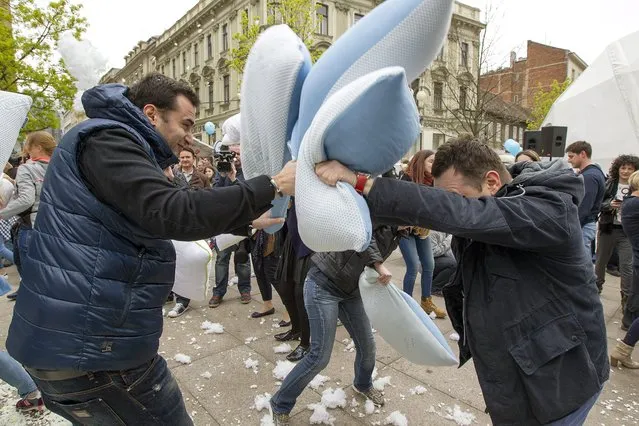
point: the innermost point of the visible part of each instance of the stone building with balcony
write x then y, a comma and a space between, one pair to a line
197, 47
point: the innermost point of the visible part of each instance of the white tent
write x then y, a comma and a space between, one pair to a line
602, 105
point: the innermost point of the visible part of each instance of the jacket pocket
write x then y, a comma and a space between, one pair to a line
128, 290
555, 368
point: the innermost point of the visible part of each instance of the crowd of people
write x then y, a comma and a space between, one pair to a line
510, 249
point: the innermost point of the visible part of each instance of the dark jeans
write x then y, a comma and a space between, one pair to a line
606, 244
145, 395
265, 274
243, 271
324, 307
290, 287
445, 267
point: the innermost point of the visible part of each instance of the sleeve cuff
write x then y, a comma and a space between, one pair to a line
262, 190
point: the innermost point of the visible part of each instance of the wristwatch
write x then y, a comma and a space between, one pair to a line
278, 191
360, 182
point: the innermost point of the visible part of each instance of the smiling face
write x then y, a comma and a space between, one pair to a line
625, 171
186, 160
176, 124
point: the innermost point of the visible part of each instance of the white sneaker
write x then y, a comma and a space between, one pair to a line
177, 310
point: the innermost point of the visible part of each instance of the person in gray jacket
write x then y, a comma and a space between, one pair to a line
445, 263
29, 180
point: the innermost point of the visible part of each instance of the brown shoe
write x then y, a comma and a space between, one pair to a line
429, 306
245, 298
215, 301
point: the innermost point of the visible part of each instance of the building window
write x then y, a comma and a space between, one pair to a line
438, 96
183, 62
174, 70
438, 140
464, 54
210, 95
572, 75
227, 89
357, 17
511, 131
516, 99
209, 47
322, 19
196, 89
463, 98
196, 55
225, 37
245, 22
162, 69
440, 55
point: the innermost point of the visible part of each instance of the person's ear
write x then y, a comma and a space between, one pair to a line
492, 182
152, 113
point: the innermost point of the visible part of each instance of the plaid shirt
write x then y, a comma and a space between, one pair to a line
5, 227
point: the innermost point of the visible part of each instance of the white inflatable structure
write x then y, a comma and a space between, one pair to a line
602, 105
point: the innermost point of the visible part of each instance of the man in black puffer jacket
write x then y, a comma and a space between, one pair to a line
331, 290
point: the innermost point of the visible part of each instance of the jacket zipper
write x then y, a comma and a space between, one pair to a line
129, 288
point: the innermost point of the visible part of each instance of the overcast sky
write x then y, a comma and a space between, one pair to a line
583, 26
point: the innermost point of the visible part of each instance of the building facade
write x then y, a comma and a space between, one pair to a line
543, 64
197, 47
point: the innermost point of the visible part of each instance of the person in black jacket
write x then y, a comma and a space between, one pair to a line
331, 291
611, 235
524, 299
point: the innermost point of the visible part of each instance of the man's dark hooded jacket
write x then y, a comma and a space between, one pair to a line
98, 265
524, 298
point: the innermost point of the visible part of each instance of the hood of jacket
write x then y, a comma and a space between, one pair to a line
555, 175
109, 102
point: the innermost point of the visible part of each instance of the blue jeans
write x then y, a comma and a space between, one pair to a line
14, 374
416, 251
145, 395
577, 417
243, 271
589, 231
324, 305
5, 252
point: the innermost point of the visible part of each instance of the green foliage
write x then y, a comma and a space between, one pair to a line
543, 101
29, 36
299, 15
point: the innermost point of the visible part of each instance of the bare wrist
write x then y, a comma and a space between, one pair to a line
368, 186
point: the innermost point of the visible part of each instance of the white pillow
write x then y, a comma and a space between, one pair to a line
403, 323
193, 264
13, 113
231, 130
6, 191
337, 218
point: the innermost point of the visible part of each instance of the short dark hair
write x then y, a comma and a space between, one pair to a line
470, 157
188, 149
579, 147
161, 91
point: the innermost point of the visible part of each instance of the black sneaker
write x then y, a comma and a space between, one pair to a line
177, 310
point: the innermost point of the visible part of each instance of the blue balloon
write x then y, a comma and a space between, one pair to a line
209, 128
512, 147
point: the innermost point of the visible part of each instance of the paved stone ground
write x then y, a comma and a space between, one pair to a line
227, 397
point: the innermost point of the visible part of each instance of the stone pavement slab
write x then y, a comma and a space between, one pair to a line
228, 396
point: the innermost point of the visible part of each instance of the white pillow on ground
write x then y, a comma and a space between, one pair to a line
403, 323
